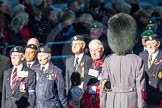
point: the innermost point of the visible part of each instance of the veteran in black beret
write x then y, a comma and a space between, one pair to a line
122, 71
50, 82
30, 56
19, 82
153, 67
76, 63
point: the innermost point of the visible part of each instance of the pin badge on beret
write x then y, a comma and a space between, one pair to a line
15, 49
150, 38
75, 38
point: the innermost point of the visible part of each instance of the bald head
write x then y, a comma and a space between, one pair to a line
33, 41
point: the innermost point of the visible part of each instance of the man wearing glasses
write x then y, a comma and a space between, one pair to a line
153, 68
19, 83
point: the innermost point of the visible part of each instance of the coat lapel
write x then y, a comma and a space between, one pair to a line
8, 84
154, 66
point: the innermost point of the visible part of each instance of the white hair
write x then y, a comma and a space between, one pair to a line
95, 42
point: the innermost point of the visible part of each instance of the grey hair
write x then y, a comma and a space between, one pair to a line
95, 42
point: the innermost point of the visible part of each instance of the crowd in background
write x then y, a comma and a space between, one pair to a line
84, 23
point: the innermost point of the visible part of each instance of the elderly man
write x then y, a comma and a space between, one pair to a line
76, 62
50, 82
153, 67
97, 55
19, 83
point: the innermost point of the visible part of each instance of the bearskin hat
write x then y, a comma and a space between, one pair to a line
122, 33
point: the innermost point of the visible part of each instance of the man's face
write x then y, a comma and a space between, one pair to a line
96, 52
43, 58
16, 58
95, 33
152, 46
30, 54
77, 47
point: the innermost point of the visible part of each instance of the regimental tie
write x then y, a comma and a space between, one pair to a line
76, 64
14, 78
149, 61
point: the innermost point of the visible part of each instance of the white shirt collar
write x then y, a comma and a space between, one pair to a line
45, 67
19, 67
31, 63
154, 55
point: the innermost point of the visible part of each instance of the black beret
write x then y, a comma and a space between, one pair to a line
19, 49
44, 49
78, 37
32, 46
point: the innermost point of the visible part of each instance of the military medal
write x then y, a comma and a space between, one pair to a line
22, 87
160, 75
51, 76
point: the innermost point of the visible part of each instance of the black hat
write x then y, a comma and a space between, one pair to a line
77, 37
75, 79
19, 49
122, 33
32, 46
44, 49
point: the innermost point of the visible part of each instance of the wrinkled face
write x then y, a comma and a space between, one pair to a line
152, 46
95, 33
144, 40
96, 52
30, 54
77, 47
43, 58
16, 58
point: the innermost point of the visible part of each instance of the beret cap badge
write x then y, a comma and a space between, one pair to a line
75, 38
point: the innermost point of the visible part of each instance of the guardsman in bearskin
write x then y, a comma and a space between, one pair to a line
122, 82
153, 67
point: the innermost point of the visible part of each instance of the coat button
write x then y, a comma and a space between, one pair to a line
153, 75
149, 82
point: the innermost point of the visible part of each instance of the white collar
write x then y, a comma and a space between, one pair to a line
154, 55
45, 67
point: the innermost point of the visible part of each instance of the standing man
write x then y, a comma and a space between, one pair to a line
50, 83
76, 62
5, 64
30, 56
125, 80
97, 58
153, 67
19, 83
